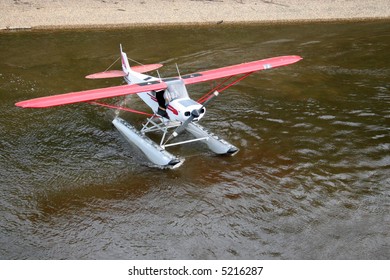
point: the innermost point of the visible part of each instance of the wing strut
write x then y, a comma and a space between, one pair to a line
221, 87
120, 108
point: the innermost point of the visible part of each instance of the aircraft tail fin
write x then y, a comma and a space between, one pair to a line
126, 69
125, 62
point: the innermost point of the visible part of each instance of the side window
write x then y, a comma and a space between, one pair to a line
176, 89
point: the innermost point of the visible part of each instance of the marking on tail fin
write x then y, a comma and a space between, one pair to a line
125, 63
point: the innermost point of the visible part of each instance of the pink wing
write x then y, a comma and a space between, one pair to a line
89, 95
94, 94
243, 68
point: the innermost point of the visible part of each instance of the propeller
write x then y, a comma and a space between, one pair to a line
194, 114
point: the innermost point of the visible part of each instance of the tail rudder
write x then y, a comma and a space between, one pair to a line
133, 74
125, 62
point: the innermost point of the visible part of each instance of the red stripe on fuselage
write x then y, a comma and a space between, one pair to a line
152, 97
173, 110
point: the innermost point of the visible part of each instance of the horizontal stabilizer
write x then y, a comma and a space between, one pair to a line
120, 73
90, 95
146, 68
107, 74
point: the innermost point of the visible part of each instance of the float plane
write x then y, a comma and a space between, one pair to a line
173, 111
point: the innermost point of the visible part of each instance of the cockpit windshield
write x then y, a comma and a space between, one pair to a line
176, 89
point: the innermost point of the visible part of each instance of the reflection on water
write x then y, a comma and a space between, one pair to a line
311, 179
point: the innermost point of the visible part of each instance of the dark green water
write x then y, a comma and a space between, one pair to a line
311, 180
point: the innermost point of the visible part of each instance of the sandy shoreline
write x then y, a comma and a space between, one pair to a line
54, 14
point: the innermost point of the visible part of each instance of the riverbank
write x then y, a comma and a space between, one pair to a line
55, 14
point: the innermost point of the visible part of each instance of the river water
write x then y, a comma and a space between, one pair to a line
311, 180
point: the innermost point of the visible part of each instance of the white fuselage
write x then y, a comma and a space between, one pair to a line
178, 108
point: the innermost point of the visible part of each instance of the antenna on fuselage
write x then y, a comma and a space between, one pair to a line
159, 77
178, 72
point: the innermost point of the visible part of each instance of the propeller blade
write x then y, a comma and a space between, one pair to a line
184, 125
194, 114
